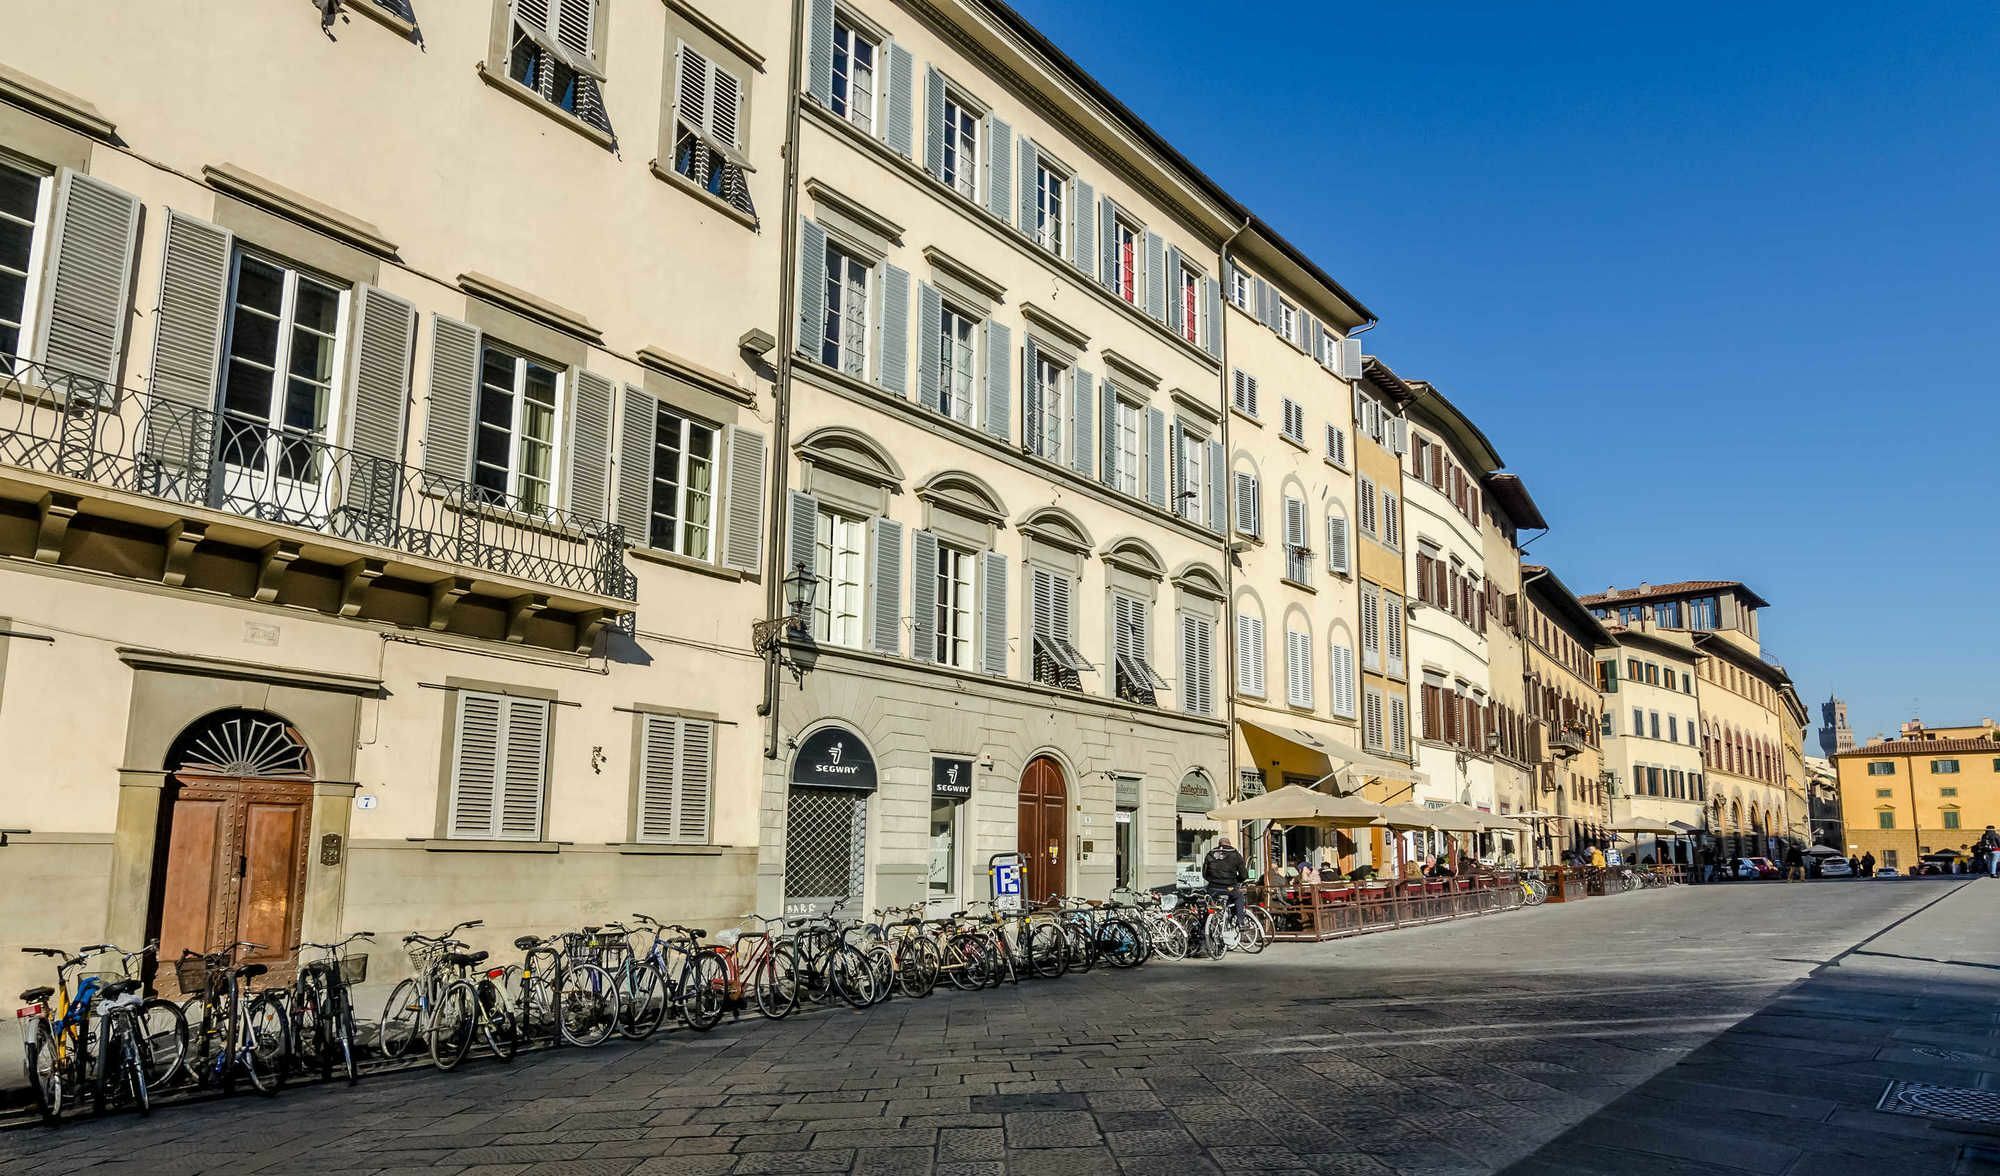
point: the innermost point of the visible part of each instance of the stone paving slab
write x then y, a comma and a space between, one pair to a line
1653, 1032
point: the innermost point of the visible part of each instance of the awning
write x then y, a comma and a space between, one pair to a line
1288, 747
1196, 823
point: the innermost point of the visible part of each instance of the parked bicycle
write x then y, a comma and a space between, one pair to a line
322, 1008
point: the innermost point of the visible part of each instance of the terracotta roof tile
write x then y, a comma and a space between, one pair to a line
1652, 592
1923, 747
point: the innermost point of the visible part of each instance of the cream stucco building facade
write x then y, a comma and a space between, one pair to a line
1651, 728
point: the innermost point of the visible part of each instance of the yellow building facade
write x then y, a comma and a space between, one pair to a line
1929, 790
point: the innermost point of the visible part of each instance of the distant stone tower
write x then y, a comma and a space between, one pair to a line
1835, 735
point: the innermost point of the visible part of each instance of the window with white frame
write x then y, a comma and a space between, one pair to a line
1050, 392
676, 780
1197, 664
1239, 289
683, 518
1124, 259
277, 382
514, 441
1193, 474
839, 558
1341, 677
1051, 207
1288, 320
1372, 719
1250, 655
1371, 626
24, 211
1187, 289
1133, 676
954, 607
1128, 447
1399, 725
1298, 548
499, 767
854, 56
961, 148
1336, 445
1298, 668
552, 50
708, 128
958, 359
1294, 424
1052, 624
1368, 506
1392, 521
1243, 392
844, 343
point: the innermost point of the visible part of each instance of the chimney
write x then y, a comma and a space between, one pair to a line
1645, 587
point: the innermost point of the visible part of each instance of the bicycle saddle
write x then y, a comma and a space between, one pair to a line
251, 971
38, 995
695, 933
119, 988
460, 959
527, 943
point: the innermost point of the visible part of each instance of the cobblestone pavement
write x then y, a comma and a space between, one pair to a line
1463, 1047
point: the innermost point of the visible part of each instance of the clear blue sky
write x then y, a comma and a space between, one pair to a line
1719, 281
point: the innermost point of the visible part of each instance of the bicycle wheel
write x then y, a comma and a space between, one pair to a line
852, 979
964, 961
706, 995
130, 1063
308, 1027
402, 1015
586, 1005
104, 1077
343, 1033
1080, 946
917, 967
1169, 937
496, 1021
882, 962
1251, 937
1048, 950
642, 1000
163, 1041
44, 1070
535, 1009
453, 1022
774, 979
1120, 943
268, 1044
1207, 940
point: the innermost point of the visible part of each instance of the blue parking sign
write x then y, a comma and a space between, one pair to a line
1005, 870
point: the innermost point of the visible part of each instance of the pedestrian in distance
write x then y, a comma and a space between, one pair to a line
1597, 857
1990, 842
1795, 865
1868, 864
1853, 866
1225, 873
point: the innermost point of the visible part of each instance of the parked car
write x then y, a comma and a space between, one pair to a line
1835, 867
1888, 872
1765, 867
1937, 863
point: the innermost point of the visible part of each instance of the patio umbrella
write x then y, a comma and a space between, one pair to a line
1638, 824
1294, 805
1825, 851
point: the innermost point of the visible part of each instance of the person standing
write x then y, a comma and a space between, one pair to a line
1853, 866
1795, 865
1990, 842
1868, 864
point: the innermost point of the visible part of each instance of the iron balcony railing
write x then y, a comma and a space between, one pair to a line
57, 422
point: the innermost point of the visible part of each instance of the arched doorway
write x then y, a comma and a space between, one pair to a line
826, 822
1042, 829
235, 825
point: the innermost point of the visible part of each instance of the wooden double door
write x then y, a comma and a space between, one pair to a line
1043, 829
235, 869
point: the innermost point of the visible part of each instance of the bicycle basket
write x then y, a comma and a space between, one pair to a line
354, 969
191, 973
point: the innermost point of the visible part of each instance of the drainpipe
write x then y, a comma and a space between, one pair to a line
1233, 783
788, 318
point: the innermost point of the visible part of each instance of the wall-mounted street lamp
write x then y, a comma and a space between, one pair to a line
768, 637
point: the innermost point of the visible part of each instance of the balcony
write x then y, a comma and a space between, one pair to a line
118, 481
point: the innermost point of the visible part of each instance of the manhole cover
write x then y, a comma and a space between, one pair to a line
1941, 1102
1949, 1055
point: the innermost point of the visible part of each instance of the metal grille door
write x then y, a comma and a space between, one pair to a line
826, 836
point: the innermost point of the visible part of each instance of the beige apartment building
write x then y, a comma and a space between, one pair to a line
1651, 728
1755, 787
382, 477
1510, 509
1562, 639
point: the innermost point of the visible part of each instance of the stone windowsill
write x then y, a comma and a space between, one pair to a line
684, 563
702, 194
454, 845
529, 98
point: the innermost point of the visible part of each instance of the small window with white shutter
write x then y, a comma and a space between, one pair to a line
1294, 424
1336, 445
499, 767
1056, 660
674, 785
710, 101
24, 220
1133, 676
552, 50
1197, 664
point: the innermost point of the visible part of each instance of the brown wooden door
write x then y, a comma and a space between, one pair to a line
1043, 829
236, 869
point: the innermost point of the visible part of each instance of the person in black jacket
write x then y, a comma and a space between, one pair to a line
1225, 873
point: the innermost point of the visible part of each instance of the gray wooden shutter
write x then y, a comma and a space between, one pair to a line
1083, 237
1212, 329
923, 595
812, 288
1336, 543
1246, 504
1156, 276
999, 164
1032, 423
590, 445
1308, 338
999, 379
993, 612
187, 329
930, 347
1107, 243
1156, 457
1213, 490
1027, 187
695, 783
802, 539
448, 415
1177, 461
89, 277
475, 765
1082, 416
886, 592
900, 129
659, 772
743, 517
1108, 434
385, 333
638, 416
819, 50
524, 769
934, 123
1176, 313
894, 371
